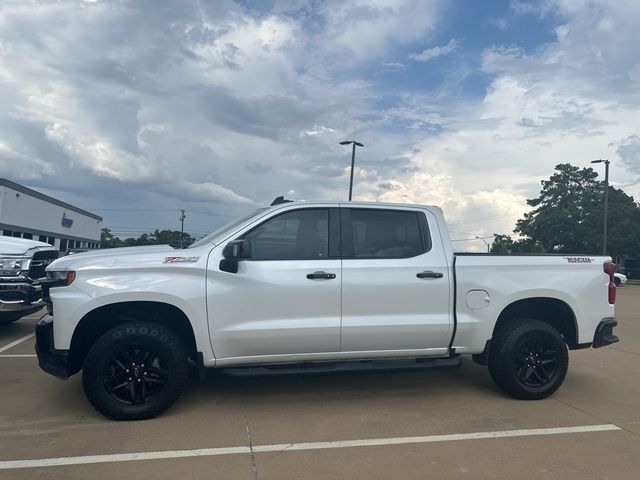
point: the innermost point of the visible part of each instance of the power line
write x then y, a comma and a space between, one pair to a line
133, 209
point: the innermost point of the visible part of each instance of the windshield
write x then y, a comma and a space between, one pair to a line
222, 230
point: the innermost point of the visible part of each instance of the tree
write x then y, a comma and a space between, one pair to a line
505, 244
109, 240
569, 211
157, 237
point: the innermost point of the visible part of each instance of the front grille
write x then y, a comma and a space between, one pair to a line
39, 263
12, 296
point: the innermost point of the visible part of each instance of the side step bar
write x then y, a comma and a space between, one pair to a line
345, 367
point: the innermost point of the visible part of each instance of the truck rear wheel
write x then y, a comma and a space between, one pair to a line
528, 359
135, 371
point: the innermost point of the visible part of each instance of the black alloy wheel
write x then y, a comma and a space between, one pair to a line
537, 362
528, 359
135, 375
135, 371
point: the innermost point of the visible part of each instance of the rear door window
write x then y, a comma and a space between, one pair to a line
377, 233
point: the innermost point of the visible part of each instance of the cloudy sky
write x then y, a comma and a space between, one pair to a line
134, 109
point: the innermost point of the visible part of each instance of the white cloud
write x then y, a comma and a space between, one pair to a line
366, 29
215, 107
394, 67
435, 52
569, 101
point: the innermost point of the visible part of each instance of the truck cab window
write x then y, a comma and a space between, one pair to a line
300, 234
386, 234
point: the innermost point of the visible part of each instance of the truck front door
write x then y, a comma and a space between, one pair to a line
285, 298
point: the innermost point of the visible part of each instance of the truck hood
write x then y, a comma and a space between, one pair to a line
20, 246
111, 257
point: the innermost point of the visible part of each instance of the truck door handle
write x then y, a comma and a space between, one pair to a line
323, 275
429, 274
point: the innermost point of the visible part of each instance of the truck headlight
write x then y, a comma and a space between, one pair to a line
60, 278
15, 264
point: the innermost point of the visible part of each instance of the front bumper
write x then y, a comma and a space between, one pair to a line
52, 361
604, 333
19, 297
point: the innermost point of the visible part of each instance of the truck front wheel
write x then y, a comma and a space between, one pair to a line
135, 371
528, 359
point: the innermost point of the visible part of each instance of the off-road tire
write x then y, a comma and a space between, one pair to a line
519, 350
135, 337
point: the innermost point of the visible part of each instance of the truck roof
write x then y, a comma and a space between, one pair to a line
354, 203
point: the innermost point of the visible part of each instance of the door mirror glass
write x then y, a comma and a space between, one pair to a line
237, 249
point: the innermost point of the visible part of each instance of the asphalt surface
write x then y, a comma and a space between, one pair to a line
45, 418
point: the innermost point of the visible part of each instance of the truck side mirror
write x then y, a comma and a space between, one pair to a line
233, 252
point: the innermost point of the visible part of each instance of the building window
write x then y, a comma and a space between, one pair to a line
28, 236
63, 245
7, 233
43, 238
17, 234
51, 241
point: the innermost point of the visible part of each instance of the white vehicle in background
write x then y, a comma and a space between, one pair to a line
317, 287
22, 268
619, 279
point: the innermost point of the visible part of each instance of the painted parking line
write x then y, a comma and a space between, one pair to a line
19, 355
17, 342
206, 452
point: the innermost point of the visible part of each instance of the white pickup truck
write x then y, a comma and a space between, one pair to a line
317, 287
22, 268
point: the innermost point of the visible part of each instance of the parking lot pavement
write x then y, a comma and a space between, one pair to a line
42, 417
19, 331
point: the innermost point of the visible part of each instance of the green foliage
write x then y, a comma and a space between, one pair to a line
568, 217
505, 244
158, 237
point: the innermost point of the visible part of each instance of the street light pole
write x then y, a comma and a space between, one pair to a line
182, 217
353, 161
485, 242
606, 202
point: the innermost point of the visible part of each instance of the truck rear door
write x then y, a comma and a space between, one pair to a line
395, 281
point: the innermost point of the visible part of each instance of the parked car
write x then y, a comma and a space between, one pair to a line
317, 287
619, 279
22, 268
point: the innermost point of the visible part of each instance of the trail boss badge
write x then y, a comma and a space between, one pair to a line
579, 259
181, 259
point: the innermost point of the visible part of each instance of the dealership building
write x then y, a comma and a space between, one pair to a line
27, 213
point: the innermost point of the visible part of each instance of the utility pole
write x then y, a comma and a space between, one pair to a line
606, 202
182, 217
353, 161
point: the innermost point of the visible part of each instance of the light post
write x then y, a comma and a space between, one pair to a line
353, 161
485, 242
182, 217
606, 202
